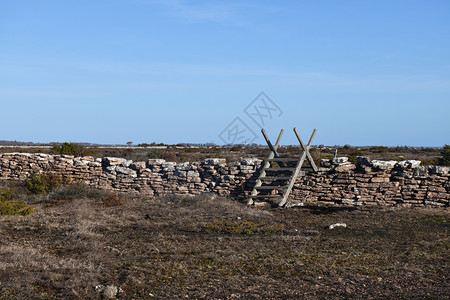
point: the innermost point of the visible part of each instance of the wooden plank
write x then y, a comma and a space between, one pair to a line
276, 178
307, 147
271, 187
280, 169
262, 174
267, 196
292, 181
269, 143
284, 159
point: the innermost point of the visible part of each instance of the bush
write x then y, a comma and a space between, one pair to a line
72, 149
45, 182
445, 159
10, 206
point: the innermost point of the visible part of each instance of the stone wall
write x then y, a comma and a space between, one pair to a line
338, 181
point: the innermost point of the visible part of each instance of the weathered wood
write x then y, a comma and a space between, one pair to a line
271, 147
306, 148
267, 196
266, 164
284, 159
273, 157
276, 178
292, 181
280, 169
271, 187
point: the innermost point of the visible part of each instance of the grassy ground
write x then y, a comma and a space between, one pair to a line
215, 248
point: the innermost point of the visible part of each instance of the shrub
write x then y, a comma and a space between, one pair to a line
72, 149
10, 206
154, 154
445, 159
44, 183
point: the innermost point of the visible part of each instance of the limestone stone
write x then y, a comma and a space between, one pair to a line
126, 171
126, 163
113, 161
339, 160
251, 161
420, 171
384, 164
363, 161
325, 163
371, 183
214, 161
139, 165
440, 170
407, 164
345, 168
152, 162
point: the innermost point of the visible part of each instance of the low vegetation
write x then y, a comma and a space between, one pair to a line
183, 153
10, 206
242, 227
73, 149
210, 247
444, 160
43, 183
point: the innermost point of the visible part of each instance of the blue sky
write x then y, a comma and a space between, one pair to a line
172, 71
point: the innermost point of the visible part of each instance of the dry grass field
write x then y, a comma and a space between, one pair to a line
209, 247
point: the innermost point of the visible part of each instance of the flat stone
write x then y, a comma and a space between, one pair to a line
407, 164
156, 161
420, 171
192, 174
345, 168
383, 164
440, 170
126, 163
126, 171
379, 179
139, 165
339, 160
251, 161
113, 161
214, 161
363, 161
326, 163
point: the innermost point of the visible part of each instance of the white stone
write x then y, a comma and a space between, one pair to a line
110, 291
332, 226
440, 170
408, 164
251, 161
214, 161
339, 160
384, 164
113, 161
126, 171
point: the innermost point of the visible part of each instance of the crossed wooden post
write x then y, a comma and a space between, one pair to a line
283, 166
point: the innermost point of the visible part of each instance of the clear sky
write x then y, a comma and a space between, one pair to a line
173, 71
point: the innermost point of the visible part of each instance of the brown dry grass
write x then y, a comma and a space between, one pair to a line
161, 248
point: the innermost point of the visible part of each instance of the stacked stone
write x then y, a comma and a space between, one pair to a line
383, 183
160, 177
338, 182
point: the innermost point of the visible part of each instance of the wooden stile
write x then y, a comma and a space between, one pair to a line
281, 178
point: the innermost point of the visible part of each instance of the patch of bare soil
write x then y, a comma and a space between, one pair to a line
210, 247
